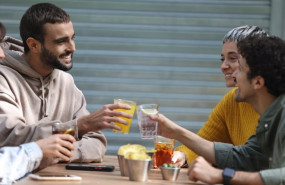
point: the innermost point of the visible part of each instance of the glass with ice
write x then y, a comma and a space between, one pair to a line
148, 127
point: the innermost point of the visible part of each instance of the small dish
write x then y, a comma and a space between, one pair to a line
169, 173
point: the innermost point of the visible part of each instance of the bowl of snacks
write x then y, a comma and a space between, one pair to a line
125, 152
169, 172
139, 164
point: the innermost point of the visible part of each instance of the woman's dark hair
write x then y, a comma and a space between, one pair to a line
2, 31
265, 57
34, 19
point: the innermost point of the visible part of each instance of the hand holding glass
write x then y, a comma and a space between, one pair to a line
148, 128
125, 128
61, 128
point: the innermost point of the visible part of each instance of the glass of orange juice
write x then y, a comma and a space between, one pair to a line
164, 148
125, 128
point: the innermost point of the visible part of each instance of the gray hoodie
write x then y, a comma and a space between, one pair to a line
30, 103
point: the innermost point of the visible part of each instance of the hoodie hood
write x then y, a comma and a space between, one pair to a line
15, 60
10, 43
13, 49
40, 85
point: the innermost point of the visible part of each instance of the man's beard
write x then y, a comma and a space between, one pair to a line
51, 60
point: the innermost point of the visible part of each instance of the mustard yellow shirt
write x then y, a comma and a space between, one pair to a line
229, 122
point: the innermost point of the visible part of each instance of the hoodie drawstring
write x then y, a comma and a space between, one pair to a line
44, 100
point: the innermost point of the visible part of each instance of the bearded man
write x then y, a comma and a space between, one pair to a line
35, 90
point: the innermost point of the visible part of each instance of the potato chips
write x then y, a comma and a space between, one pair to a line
134, 151
137, 156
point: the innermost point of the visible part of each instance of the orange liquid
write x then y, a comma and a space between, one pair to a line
125, 128
163, 154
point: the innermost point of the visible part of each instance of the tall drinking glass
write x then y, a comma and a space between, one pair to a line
148, 127
164, 149
125, 128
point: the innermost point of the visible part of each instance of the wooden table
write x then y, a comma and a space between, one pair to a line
103, 178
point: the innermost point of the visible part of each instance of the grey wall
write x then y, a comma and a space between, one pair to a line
277, 20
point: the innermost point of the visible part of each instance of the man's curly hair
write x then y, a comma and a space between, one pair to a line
265, 57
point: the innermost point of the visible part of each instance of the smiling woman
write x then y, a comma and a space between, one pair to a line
229, 58
229, 122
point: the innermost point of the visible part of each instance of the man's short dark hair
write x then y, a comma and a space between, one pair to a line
34, 19
265, 57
